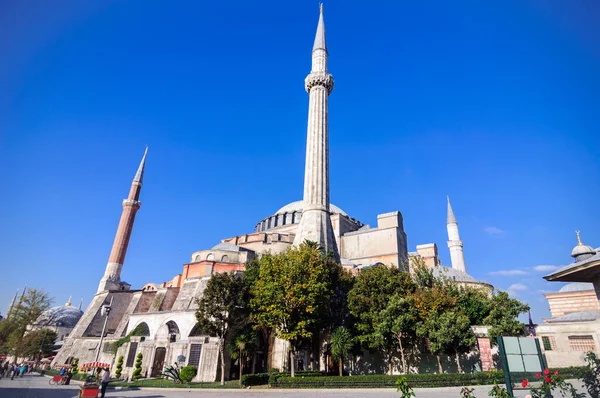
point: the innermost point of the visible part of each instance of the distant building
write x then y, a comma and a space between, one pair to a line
61, 319
574, 327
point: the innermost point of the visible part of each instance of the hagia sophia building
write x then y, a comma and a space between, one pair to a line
165, 312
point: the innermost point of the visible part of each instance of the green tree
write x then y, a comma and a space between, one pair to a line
449, 332
341, 343
475, 304
25, 313
38, 342
137, 370
398, 319
291, 293
367, 301
503, 317
243, 344
221, 309
119, 368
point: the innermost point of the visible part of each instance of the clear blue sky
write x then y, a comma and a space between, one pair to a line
495, 103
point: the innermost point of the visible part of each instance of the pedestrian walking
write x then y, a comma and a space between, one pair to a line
105, 381
15, 370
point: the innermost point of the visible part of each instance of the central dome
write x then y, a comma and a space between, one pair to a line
299, 206
291, 213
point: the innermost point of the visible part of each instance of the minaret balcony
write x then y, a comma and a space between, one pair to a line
132, 203
319, 79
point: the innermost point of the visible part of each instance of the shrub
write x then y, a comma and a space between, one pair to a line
188, 373
119, 368
137, 372
257, 379
591, 375
75, 366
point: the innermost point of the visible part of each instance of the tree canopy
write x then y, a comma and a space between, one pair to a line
291, 293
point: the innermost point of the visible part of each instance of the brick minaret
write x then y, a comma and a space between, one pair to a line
315, 224
112, 276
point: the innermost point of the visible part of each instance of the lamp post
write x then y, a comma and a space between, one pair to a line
104, 311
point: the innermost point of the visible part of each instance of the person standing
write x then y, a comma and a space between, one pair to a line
105, 381
15, 370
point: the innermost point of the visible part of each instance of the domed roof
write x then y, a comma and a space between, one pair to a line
576, 287
581, 251
453, 274
299, 205
227, 247
65, 316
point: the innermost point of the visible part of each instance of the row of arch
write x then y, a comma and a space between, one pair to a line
168, 330
211, 257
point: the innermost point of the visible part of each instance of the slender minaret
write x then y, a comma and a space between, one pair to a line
315, 224
12, 304
112, 276
457, 257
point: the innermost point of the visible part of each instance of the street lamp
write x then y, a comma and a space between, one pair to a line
104, 311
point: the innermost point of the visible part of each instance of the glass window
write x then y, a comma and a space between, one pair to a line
195, 351
131, 355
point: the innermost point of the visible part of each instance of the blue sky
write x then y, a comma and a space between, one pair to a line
494, 103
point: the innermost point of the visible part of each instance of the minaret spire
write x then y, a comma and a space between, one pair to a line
80, 303
315, 224
112, 275
457, 257
12, 304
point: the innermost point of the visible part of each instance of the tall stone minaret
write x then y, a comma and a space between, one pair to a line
455, 245
315, 224
112, 276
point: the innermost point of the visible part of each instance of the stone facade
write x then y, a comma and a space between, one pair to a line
164, 313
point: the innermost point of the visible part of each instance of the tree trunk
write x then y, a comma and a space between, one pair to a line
402, 355
253, 363
458, 363
222, 352
241, 366
292, 364
439, 361
341, 368
390, 365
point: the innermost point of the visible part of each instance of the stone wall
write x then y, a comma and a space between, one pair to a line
564, 303
386, 243
561, 354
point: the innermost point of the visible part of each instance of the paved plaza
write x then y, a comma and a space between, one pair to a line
35, 386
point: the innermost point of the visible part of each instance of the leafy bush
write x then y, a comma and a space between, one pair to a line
404, 388
188, 373
137, 372
257, 379
379, 381
75, 366
119, 368
591, 375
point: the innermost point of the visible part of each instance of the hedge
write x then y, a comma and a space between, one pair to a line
414, 380
259, 379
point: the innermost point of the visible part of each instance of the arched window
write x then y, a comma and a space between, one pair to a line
225, 259
197, 258
210, 257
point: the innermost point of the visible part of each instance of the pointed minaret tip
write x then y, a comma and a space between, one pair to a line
139, 175
451, 219
320, 42
68, 304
